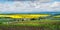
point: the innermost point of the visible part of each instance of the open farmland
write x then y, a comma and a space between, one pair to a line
36, 22
32, 25
25, 15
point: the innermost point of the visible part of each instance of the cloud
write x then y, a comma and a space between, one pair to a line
28, 0
55, 6
29, 6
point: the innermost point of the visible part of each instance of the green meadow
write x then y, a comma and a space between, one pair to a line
44, 23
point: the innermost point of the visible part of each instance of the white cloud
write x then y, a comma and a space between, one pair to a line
55, 6
28, 6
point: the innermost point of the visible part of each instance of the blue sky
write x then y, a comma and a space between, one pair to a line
29, 6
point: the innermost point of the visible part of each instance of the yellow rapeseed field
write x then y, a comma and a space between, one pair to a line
24, 16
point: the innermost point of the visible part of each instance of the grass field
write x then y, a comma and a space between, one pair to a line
36, 23
44, 24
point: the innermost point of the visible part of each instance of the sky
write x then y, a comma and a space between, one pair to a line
29, 6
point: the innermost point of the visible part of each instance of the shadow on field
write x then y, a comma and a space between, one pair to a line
45, 25
20, 28
24, 28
